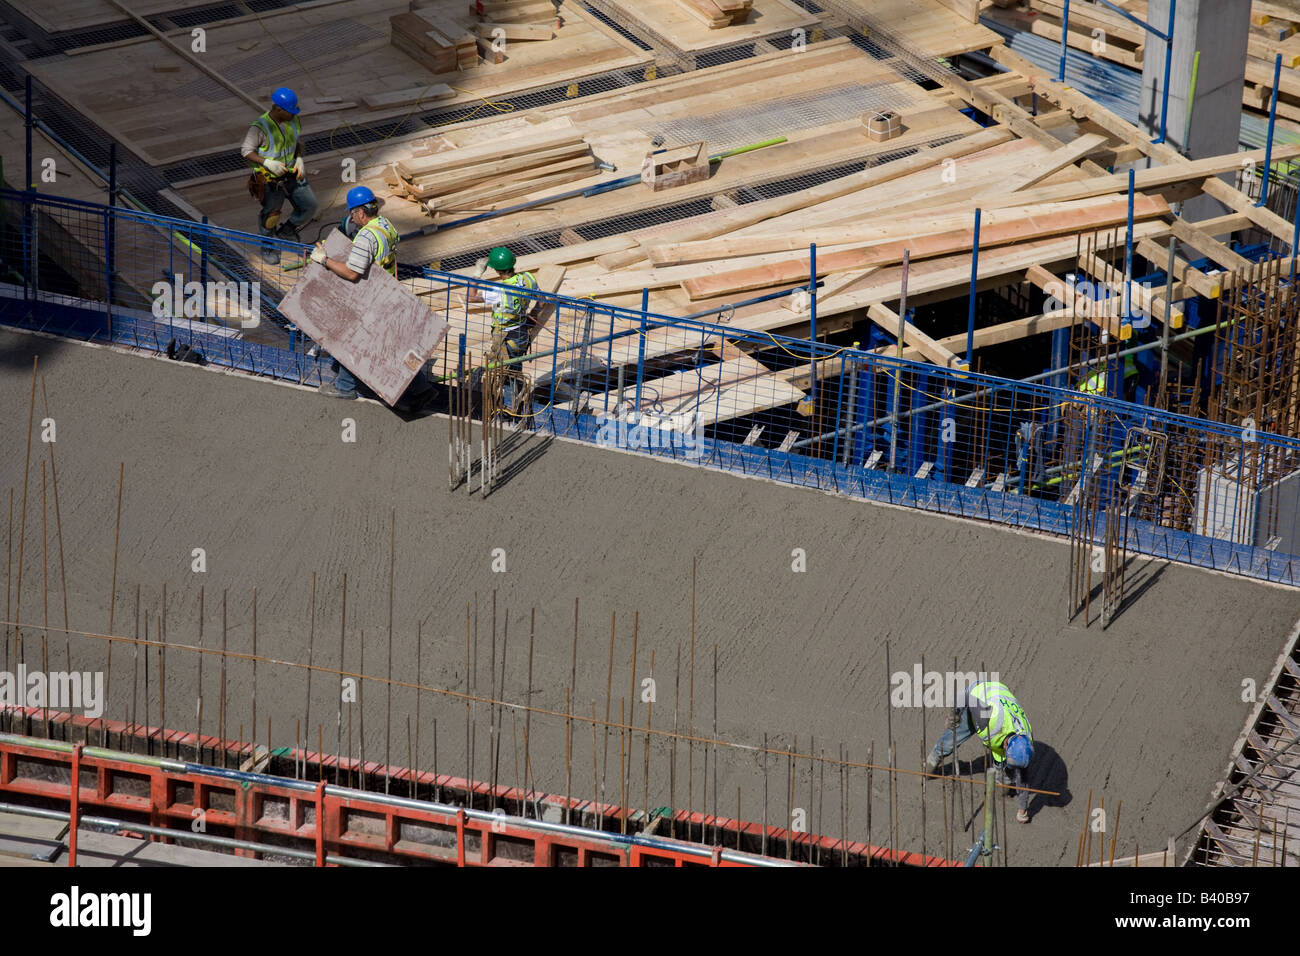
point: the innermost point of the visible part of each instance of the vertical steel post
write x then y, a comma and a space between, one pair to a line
1125, 320
1272, 122
839, 412
29, 243
74, 805
1065, 30
640, 351
1169, 62
812, 320
974, 278
1164, 333
110, 250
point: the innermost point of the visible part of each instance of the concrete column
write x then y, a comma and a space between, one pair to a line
1219, 30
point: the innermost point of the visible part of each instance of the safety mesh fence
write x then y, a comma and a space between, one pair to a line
840, 420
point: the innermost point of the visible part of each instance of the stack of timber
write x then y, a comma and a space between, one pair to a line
514, 11
440, 47
716, 14
485, 176
1273, 32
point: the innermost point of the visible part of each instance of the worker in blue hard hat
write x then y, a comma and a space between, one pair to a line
990, 711
272, 144
513, 309
374, 241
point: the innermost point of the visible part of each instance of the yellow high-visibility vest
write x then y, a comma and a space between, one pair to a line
386, 237
281, 141
1006, 717
509, 315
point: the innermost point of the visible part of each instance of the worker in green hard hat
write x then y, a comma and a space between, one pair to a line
1095, 382
512, 311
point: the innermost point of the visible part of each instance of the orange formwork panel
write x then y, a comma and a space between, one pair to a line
320, 821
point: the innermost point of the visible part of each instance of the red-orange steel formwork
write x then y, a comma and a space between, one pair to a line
315, 820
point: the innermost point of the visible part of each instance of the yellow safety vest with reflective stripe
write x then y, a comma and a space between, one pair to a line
386, 239
1095, 383
1006, 717
281, 141
509, 314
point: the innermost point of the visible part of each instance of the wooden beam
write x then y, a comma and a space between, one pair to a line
1194, 280
1208, 246
1053, 162
922, 247
887, 319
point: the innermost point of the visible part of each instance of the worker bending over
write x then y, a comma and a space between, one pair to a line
990, 711
272, 146
512, 311
374, 241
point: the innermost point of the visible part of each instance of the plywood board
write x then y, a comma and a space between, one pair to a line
688, 33
375, 326
338, 49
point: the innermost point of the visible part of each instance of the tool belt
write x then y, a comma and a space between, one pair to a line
258, 182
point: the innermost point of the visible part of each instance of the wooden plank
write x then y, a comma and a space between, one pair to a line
875, 231
514, 31
430, 93
887, 319
1208, 246
1197, 281
1054, 162
495, 149
431, 184
720, 223
480, 197
761, 277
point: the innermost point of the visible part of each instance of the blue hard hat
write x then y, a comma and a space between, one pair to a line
1019, 751
359, 196
286, 99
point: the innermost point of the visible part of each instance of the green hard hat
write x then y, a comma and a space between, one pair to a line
501, 259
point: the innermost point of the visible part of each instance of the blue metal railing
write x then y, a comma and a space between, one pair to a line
874, 426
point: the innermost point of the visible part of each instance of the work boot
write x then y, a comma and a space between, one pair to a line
330, 390
932, 762
271, 255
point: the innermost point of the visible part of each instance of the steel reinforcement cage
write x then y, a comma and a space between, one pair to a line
703, 392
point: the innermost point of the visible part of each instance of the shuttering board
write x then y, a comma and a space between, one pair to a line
375, 327
671, 20
336, 49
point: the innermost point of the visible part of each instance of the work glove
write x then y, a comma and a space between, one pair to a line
300, 168
318, 254
954, 718
480, 268
274, 167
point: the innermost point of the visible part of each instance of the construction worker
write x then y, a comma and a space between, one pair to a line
991, 712
375, 241
272, 146
511, 313
1095, 383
